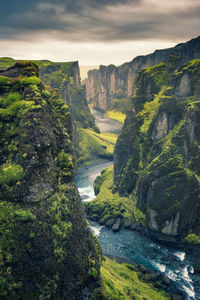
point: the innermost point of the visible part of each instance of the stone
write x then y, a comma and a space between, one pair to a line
110, 222
127, 223
134, 226
166, 280
116, 226
176, 297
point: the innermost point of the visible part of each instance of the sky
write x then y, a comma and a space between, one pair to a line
94, 32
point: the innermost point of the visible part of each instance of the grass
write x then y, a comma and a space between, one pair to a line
110, 138
113, 205
116, 115
6, 62
121, 281
94, 145
150, 109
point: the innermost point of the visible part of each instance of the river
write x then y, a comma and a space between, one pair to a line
176, 264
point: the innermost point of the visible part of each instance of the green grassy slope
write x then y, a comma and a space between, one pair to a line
123, 281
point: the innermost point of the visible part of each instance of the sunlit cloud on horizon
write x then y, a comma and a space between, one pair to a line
95, 31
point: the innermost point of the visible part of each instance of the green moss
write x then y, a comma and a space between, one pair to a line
192, 238
62, 230
93, 273
30, 81
10, 173
65, 159
25, 216
4, 81
10, 98
150, 110
32, 235
158, 73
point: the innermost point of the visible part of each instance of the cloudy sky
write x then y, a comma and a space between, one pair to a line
94, 31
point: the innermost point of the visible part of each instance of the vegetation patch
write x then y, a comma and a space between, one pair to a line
116, 115
192, 238
123, 281
10, 173
93, 146
109, 206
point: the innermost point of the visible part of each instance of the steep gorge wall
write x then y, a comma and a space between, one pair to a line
156, 157
46, 248
104, 85
66, 78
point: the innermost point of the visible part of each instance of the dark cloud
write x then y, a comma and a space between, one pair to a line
99, 20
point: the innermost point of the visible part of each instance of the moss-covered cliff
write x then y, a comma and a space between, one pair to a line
46, 248
65, 76
158, 151
111, 87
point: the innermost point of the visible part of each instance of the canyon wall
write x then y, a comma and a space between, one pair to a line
46, 248
157, 154
110, 83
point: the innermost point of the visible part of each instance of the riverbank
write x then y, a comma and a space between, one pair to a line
132, 245
126, 281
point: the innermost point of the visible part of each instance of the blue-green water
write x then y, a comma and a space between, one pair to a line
177, 265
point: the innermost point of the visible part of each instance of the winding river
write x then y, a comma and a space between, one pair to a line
176, 264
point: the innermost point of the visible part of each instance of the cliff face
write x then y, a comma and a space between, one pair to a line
108, 84
66, 78
46, 248
157, 153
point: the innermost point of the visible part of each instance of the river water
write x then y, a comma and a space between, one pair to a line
176, 264
106, 124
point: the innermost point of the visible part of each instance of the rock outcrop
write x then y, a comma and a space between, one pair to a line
157, 154
110, 84
46, 248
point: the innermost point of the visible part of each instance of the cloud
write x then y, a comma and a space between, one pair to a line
100, 20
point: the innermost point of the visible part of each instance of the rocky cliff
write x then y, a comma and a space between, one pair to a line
46, 248
110, 85
109, 82
157, 154
64, 76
